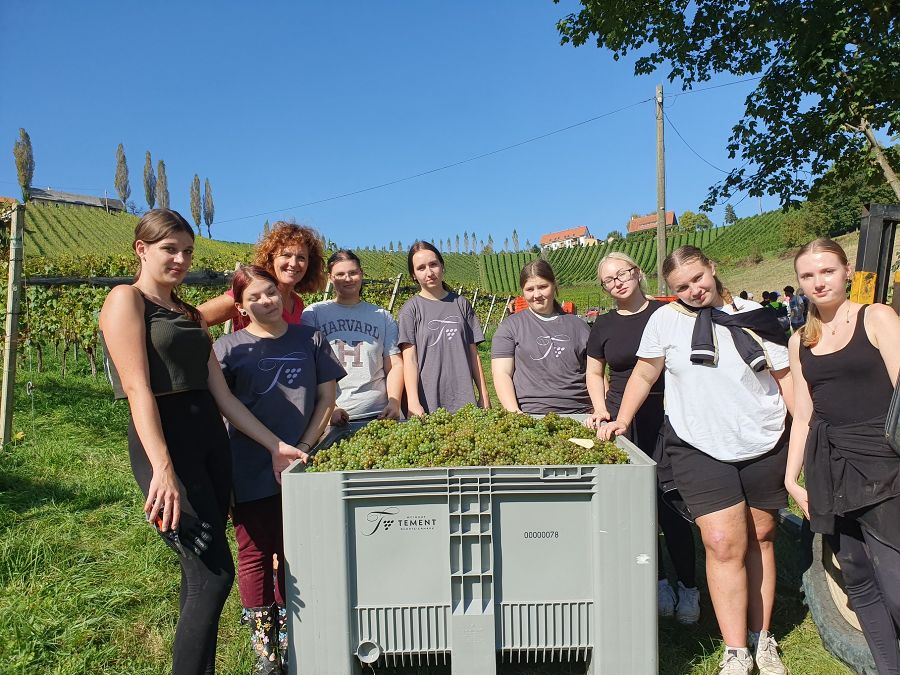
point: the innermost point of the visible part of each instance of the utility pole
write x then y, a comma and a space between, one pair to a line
660, 193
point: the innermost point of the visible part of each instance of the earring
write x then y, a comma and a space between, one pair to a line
242, 312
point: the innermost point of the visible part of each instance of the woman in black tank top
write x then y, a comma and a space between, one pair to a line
844, 363
160, 358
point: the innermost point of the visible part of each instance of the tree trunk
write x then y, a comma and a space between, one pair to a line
62, 362
40, 359
881, 158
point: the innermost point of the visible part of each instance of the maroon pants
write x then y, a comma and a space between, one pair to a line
257, 528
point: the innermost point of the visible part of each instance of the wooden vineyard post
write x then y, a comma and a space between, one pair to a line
11, 339
327, 291
475, 299
390, 308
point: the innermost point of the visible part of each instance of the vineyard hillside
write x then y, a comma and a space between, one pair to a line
461, 269
52, 231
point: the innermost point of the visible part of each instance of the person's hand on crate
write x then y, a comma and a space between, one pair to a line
416, 410
283, 456
339, 417
609, 430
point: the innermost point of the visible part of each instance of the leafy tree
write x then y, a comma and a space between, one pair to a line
843, 190
209, 208
615, 235
475, 248
162, 185
449, 245
399, 245
690, 222
195, 202
730, 215
515, 240
266, 229
24, 157
391, 247
528, 244
801, 225
466, 241
149, 181
828, 77
505, 244
490, 244
123, 189
481, 245
457, 243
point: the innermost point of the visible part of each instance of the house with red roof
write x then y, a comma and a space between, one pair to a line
574, 236
648, 222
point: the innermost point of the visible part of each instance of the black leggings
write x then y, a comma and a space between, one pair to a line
871, 571
677, 532
198, 445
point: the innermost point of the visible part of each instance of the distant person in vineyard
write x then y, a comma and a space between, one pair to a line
845, 363
614, 341
725, 436
797, 306
364, 340
159, 357
439, 337
293, 255
538, 356
285, 374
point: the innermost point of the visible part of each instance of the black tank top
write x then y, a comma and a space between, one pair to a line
177, 352
851, 384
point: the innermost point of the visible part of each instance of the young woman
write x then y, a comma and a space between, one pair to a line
538, 356
439, 336
364, 339
726, 366
293, 255
159, 357
614, 342
845, 361
285, 374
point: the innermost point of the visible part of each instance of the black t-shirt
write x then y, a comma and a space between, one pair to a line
615, 339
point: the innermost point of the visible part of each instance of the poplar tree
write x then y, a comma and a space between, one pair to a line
209, 208
466, 241
123, 189
515, 240
266, 229
195, 202
149, 181
457, 243
24, 162
162, 186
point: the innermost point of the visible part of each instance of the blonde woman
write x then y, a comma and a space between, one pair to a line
845, 361
728, 390
613, 343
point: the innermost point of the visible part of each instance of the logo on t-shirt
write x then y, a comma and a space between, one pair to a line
288, 365
444, 327
553, 346
353, 349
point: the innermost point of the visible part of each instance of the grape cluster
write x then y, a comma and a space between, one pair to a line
470, 437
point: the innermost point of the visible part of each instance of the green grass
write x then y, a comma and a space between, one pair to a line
87, 587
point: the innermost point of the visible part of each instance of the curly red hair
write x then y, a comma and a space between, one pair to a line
284, 234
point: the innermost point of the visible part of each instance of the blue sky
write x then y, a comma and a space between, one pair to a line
280, 104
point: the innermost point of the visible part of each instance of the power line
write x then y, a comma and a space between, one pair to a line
442, 168
717, 86
703, 159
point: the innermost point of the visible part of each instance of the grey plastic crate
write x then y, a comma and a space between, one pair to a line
458, 565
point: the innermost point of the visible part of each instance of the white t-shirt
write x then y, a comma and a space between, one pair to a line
362, 336
727, 411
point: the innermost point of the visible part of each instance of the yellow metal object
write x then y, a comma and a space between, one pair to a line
863, 288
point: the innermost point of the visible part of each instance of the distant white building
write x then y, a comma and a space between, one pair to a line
574, 236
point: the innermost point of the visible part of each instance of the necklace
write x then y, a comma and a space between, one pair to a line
834, 329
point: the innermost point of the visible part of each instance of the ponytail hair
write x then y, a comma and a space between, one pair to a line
811, 331
154, 226
540, 268
684, 255
425, 246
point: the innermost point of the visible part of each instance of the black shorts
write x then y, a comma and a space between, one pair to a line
708, 485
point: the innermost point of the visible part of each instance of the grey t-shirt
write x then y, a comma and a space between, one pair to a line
549, 357
441, 331
362, 336
276, 378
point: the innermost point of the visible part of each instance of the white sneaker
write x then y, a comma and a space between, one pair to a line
665, 598
736, 662
765, 651
688, 609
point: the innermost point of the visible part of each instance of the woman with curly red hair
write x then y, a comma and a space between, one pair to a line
293, 254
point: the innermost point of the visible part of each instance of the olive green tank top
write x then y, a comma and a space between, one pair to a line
177, 352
